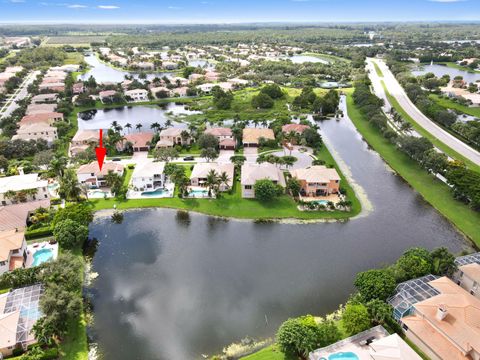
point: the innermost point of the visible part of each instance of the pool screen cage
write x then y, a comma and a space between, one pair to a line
411, 292
468, 259
26, 301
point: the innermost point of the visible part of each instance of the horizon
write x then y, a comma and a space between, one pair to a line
188, 12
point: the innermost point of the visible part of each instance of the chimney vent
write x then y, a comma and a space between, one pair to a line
441, 312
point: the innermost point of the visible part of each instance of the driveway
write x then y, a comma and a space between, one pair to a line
304, 159
225, 155
396, 90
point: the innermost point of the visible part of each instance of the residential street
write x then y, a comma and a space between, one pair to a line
19, 94
397, 91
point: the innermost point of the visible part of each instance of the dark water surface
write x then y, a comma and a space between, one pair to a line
174, 286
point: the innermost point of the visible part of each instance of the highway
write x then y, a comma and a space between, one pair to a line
396, 90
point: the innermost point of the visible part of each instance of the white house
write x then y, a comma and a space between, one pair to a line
25, 188
137, 95
13, 250
90, 173
251, 173
149, 176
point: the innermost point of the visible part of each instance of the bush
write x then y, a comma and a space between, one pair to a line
414, 263
38, 233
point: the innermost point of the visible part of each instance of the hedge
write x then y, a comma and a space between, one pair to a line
39, 233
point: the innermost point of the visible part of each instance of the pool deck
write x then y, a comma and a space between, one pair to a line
168, 193
32, 248
335, 198
354, 344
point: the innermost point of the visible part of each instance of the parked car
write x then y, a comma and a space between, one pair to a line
116, 159
188, 158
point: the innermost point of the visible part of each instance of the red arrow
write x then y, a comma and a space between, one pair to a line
100, 151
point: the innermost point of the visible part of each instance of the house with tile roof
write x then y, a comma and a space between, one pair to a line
251, 136
13, 250
317, 180
91, 174
251, 173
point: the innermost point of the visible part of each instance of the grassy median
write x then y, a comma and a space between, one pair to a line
433, 191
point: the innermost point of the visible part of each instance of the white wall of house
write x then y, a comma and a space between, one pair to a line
42, 193
248, 191
143, 183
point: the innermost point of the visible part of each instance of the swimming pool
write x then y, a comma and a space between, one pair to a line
41, 256
156, 192
320, 202
96, 194
198, 193
343, 356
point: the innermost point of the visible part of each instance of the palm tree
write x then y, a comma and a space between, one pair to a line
114, 124
128, 126
184, 135
212, 181
84, 190
57, 165
168, 123
155, 126
69, 188
138, 127
224, 179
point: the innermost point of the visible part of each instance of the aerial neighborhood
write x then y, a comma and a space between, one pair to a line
296, 191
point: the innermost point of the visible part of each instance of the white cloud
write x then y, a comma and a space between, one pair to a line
76, 6
175, 8
108, 7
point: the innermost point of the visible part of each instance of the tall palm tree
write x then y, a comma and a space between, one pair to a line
128, 126
138, 127
155, 126
114, 124
224, 179
212, 182
168, 123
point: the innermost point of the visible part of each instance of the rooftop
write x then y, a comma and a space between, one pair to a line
95, 169
253, 135
21, 182
148, 169
253, 172
316, 173
10, 240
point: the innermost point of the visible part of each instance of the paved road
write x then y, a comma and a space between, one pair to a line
19, 94
396, 90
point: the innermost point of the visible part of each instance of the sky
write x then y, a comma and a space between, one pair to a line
235, 11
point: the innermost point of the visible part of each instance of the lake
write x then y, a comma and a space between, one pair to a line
145, 115
174, 285
104, 73
440, 70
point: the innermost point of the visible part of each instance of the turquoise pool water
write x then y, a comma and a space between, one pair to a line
156, 192
41, 256
343, 356
321, 202
198, 193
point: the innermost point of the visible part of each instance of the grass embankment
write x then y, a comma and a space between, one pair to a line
233, 205
450, 104
377, 69
433, 191
73, 58
269, 353
445, 148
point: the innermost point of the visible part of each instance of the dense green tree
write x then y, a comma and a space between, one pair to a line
375, 284
207, 141
266, 190
355, 319
69, 188
262, 101
414, 263
298, 336
165, 154
293, 186
273, 91
379, 312
209, 154
70, 234
81, 213
443, 262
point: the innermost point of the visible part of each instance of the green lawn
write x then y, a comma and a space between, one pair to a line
73, 58
433, 191
446, 149
377, 69
233, 205
450, 104
269, 353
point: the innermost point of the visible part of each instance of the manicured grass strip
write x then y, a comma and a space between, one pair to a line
433, 191
269, 353
450, 104
445, 148
377, 69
